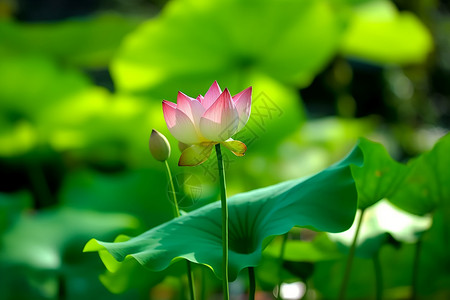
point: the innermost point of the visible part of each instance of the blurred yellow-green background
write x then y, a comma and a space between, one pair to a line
81, 86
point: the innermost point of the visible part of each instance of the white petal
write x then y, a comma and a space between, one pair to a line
243, 102
180, 125
191, 107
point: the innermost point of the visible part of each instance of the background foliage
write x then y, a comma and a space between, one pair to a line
81, 85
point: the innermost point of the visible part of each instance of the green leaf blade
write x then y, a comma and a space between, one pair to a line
325, 201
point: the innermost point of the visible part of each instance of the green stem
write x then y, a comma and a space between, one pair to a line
280, 270
351, 254
415, 272
378, 276
172, 187
177, 214
190, 280
223, 199
252, 283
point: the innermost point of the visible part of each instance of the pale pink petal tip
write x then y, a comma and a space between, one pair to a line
211, 95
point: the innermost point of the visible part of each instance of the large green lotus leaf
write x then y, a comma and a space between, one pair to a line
87, 42
131, 275
325, 201
375, 25
380, 177
379, 220
289, 40
427, 185
41, 240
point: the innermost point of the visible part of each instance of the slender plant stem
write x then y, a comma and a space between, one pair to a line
378, 276
190, 280
223, 199
415, 272
252, 283
280, 266
177, 214
351, 254
176, 211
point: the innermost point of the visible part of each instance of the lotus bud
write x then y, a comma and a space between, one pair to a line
159, 146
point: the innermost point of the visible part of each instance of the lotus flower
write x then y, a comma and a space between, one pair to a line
206, 121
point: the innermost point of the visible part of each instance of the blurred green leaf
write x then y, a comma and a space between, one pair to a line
29, 84
379, 220
289, 41
319, 249
380, 177
427, 185
12, 206
381, 34
86, 42
325, 201
141, 193
41, 240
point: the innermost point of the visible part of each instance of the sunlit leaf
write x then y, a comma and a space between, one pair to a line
87, 42
427, 185
325, 201
380, 177
171, 52
376, 24
379, 220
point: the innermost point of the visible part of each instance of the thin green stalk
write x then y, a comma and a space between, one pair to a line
177, 214
378, 276
280, 269
223, 199
172, 187
415, 273
351, 254
252, 283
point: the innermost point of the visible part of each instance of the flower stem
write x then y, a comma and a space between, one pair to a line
176, 211
415, 272
280, 270
223, 199
378, 276
177, 214
252, 283
351, 254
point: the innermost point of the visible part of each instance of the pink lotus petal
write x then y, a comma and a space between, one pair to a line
169, 109
195, 155
221, 120
179, 124
211, 95
243, 102
191, 107
200, 98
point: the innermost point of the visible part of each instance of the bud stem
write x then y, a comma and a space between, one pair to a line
177, 214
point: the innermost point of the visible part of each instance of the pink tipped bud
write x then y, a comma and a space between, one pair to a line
159, 146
